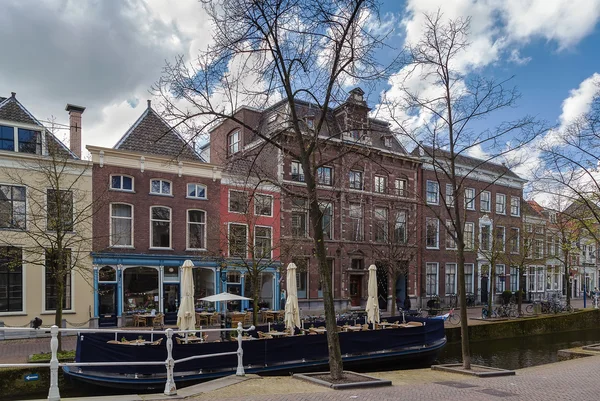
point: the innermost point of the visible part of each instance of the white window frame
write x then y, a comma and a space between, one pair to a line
488, 195
453, 290
233, 146
489, 239
499, 283
436, 185
449, 240
401, 182
356, 236
383, 223
380, 184
503, 229
435, 265
170, 228
300, 174
110, 224
229, 200
229, 239
322, 207
304, 212
162, 180
449, 196
513, 198
187, 189
472, 267
472, 245
270, 205
187, 229
518, 231
427, 220
503, 203
122, 189
470, 200
270, 245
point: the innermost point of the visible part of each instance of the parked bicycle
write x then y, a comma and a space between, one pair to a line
453, 317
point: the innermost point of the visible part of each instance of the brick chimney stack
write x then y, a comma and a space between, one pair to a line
75, 113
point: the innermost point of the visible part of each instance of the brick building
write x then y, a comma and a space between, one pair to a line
160, 206
367, 193
491, 197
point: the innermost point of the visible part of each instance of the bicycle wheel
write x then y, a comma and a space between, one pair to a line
529, 308
454, 319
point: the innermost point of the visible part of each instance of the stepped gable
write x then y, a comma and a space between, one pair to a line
152, 135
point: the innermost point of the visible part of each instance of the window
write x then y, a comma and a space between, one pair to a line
433, 193
297, 172
450, 278
432, 235
262, 242
29, 141
553, 278
356, 181
196, 232
60, 210
485, 201
325, 176
550, 246
514, 278
469, 268
238, 201
160, 223
310, 122
449, 195
121, 183
196, 191
514, 240
358, 264
539, 248
539, 229
380, 184
469, 198
234, 277
11, 279
387, 142
381, 224
160, 187
54, 272
500, 203
469, 235
528, 247
450, 235
302, 277
515, 206
263, 205
356, 222
12, 207
485, 243
233, 142
431, 279
401, 187
500, 279
299, 218
500, 238
238, 240
121, 224
7, 138
400, 227
539, 285
327, 220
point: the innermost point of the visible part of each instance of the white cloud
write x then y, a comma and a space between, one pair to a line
579, 100
515, 57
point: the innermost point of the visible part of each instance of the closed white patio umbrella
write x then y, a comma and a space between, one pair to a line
372, 304
292, 312
186, 315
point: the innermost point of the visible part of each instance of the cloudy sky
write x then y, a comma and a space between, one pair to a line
105, 55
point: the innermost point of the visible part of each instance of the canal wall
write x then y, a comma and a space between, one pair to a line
543, 324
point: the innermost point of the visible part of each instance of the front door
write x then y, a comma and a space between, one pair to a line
484, 289
355, 290
400, 291
170, 302
107, 305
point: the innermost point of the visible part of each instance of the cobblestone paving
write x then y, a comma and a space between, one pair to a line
17, 351
571, 380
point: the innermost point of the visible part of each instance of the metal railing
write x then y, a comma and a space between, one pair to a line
170, 388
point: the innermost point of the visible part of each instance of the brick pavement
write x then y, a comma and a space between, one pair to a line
571, 380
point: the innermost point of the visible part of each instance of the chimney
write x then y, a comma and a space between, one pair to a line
75, 113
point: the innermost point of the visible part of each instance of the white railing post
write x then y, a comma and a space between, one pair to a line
53, 393
170, 388
240, 352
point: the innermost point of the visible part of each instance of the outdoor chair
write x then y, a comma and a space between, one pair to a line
139, 321
158, 320
201, 320
214, 319
235, 319
248, 319
268, 317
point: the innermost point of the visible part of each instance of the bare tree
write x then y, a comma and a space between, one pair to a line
58, 231
301, 50
455, 102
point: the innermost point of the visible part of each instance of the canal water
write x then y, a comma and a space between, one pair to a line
517, 353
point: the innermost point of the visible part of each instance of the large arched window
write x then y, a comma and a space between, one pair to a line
233, 142
140, 289
160, 227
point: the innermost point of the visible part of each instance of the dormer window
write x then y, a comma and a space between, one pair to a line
233, 142
387, 142
20, 140
310, 122
196, 191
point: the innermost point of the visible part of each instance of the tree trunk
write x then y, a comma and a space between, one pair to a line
464, 323
393, 292
492, 276
60, 288
255, 298
520, 293
567, 284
